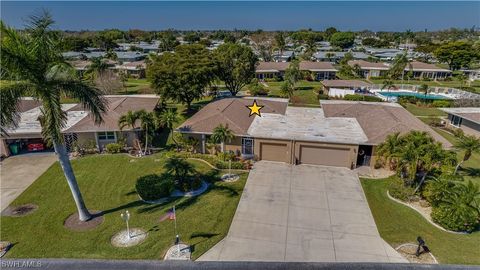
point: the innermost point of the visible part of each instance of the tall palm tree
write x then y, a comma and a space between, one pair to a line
400, 63
129, 119
469, 144
31, 60
280, 41
96, 68
147, 122
167, 119
389, 149
423, 89
222, 134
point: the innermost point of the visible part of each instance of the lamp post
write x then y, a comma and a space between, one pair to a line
126, 216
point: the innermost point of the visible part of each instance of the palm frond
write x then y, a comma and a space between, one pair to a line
10, 95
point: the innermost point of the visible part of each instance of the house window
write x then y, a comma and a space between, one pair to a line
106, 135
247, 146
456, 121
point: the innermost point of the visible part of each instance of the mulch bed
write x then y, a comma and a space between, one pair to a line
408, 252
20, 210
74, 224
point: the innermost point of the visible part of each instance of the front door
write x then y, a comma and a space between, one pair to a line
247, 146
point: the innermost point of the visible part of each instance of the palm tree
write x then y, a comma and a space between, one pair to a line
280, 42
32, 61
400, 63
147, 122
389, 149
179, 168
469, 144
128, 120
167, 119
96, 68
222, 134
423, 89
388, 84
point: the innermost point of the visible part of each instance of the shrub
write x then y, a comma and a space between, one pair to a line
441, 103
257, 89
435, 191
399, 190
323, 96
153, 186
224, 165
455, 217
113, 148
362, 98
458, 132
226, 156
191, 183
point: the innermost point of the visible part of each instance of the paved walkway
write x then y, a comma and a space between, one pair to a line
302, 213
19, 172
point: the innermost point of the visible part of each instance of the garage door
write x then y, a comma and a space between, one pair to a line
327, 156
273, 152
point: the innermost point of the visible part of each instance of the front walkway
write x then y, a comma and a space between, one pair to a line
17, 173
302, 213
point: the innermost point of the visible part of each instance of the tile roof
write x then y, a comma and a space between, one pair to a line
231, 112
345, 83
378, 119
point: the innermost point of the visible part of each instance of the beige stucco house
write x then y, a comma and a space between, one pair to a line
341, 133
466, 119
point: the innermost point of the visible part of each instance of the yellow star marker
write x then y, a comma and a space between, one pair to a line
254, 109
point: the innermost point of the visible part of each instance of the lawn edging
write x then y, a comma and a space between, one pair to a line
213, 167
177, 193
426, 218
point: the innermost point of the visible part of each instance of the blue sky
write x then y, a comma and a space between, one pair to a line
271, 15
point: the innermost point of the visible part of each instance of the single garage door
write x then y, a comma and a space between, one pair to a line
273, 152
328, 156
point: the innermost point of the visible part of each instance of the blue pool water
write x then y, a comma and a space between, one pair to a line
411, 94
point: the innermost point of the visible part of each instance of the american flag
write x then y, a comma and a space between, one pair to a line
171, 214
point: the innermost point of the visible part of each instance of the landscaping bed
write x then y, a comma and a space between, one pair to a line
108, 183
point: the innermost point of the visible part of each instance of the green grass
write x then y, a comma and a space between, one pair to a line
305, 93
399, 224
136, 86
424, 111
108, 184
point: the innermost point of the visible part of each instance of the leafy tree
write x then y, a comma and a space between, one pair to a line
423, 89
235, 65
222, 134
74, 43
96, 68
183, 75
388, 84
230, 38
342, 39
329, 32
280, 41
167, 119
457, 54
400, 63
257, 89
192, 37
390, 148
469, 144
33, 58
168, 42
293, 73
179, 168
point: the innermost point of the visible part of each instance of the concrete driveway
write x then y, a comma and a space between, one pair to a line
302, 213
19, 172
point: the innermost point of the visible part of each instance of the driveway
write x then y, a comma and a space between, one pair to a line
19, 172
302, 213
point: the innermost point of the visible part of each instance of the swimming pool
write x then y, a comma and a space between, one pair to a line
410, 94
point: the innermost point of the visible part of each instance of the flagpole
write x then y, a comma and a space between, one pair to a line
177, 238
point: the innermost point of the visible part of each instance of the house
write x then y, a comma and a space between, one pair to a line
272, 70
340, 88
341, 133
130, 56
80, 127
422, 70
472, 74
369, 69
133, 69
467, 119
285, 56
335, 57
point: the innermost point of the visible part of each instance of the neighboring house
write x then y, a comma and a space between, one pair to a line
285, 56
472, 74
80, 127
81, 66
271, 70
467, 119
133, 69
130, 56
422, 70
335, 57
370, 69
341, 133
340, 88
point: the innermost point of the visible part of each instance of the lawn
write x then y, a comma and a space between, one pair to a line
136, 86
424, 111
399, 224
305, 93
108, 184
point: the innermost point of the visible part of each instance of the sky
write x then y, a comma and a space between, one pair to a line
251, 15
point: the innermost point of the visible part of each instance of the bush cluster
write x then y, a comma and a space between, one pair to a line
399, 190
113, 148
153, 186
455, 217
362, 98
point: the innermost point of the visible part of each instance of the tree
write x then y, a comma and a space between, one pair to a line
192, 37
400, 63
293, 73
423, 89
329, 32
96, 68
168, 42
33, 58
457, 54
129, 119
167, 119
342, 39
390, 148
469, 144
183, 75
388, 84
235, 65
222, 134
147, 122
280, 41
179, 168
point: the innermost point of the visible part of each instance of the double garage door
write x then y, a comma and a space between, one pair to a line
307, 154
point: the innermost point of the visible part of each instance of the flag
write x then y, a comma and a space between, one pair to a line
171, 214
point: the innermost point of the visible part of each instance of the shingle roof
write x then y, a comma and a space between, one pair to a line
378, 120
345, 83
469, 113
368, 65
26, 104
304, 65
272, 66
420, 66
229, 111
118, 105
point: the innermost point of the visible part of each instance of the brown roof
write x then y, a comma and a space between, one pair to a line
474, 117
314, 66
304, 65
368, 65
229, 111
345, 83
117, 106
420, 66
378, 120
26, 104
469, 113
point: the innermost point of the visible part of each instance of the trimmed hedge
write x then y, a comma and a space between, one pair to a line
399, 190
113, 148
455, 217
362, 98
153, 186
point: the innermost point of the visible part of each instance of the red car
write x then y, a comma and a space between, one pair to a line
35, 146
